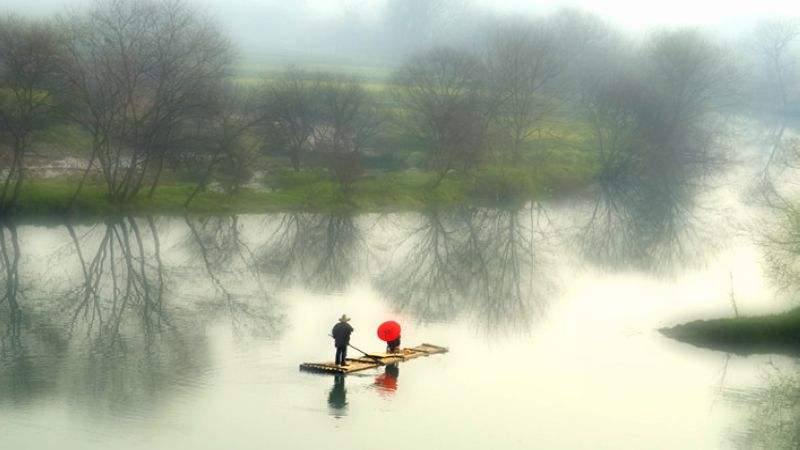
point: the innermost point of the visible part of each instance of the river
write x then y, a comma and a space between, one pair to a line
187, 332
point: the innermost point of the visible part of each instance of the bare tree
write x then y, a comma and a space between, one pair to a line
290, 113
613, 111
444, 91
348, 122
775, 47
139, 71
591, 50
523, 61
223, 142
774, 42
29, 63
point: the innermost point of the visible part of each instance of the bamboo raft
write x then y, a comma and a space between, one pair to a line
374, 360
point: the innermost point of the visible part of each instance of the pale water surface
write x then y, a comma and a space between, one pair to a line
170, 332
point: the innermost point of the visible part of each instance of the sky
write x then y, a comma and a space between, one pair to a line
639, 14
632, 14
286, 26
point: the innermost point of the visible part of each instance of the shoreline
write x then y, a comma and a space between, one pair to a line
747, 335
46, 199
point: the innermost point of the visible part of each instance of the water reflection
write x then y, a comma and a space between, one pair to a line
25, 342
122, 284
646, 218
387, 381
772, 411
482, 262
231, 268
337, 397
118, 326
121, 316
10, 252
319, 252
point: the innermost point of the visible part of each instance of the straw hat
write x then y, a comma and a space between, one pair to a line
344, 318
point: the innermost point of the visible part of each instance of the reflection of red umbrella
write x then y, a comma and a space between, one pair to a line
386, 382
389, 331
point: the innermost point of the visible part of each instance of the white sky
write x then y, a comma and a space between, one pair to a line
638, 14
633, 15
628, 13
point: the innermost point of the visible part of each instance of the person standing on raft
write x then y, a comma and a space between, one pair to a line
341, 336
393, 346
389, 332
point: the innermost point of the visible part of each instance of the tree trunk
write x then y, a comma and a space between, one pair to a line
83, 180
156, 179
18, 185
202, 183
294, 156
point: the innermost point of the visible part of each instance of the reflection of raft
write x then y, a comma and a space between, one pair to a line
374, 360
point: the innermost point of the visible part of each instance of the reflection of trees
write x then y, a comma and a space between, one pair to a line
475, 261
232, 269
122, 283
9, 247
23, 344
773, 412
781, 244
318, 251
131, 347
648, 224
117, 326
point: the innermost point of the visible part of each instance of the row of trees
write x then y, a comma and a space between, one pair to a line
144, 80
149, 83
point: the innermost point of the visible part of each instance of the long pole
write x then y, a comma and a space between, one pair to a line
375, 358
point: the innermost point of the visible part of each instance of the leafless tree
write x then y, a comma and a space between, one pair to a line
29, 64
590, 48
138, 71
290, 111
524, 61
348, 122
613, 111
223, 143
445, 92
775, 44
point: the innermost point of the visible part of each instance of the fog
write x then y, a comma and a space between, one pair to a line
377, 30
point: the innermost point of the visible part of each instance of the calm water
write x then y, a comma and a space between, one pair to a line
165, 333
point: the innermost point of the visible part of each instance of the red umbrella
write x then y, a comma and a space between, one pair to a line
389, 331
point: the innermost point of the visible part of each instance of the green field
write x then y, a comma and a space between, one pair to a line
314, 190
558, 159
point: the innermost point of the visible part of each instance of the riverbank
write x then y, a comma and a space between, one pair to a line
774, 333
314, 191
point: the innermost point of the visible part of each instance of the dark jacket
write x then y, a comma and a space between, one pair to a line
341, 333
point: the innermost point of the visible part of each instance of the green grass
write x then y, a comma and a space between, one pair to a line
776, 333
314, 190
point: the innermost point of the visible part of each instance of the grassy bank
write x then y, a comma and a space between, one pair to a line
775, 333
313, 190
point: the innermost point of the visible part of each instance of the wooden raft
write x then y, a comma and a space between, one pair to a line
374, 360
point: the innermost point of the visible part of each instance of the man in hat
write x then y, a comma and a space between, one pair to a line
341, 336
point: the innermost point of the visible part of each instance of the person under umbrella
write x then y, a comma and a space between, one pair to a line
389, 332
